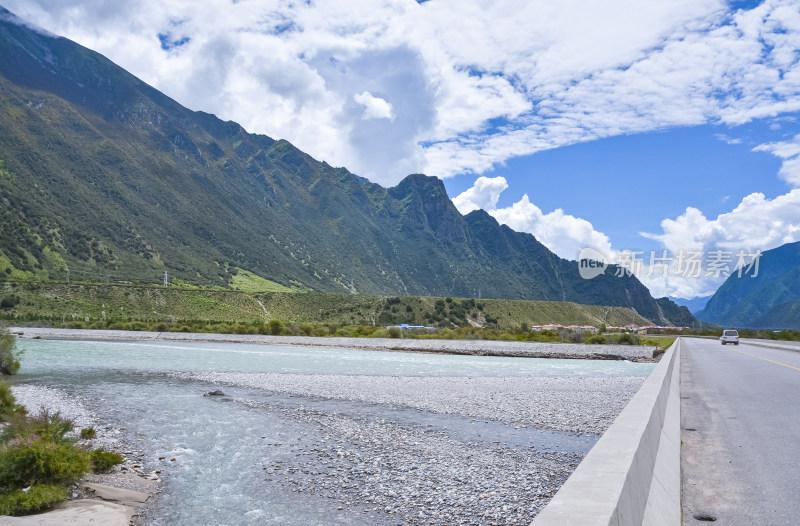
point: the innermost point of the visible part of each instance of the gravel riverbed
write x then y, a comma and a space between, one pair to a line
418, 470
570, 404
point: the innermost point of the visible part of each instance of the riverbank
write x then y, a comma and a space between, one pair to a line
460, 347
116, 498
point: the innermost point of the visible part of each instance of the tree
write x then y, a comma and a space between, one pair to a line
275, 327
9, 355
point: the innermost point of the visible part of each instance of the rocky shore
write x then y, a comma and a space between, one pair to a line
123, 492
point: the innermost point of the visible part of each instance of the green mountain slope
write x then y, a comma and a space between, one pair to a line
749, 301
110, 178
781, 316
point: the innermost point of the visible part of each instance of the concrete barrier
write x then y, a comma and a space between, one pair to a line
632, 475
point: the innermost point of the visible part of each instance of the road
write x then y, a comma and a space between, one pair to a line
740, 432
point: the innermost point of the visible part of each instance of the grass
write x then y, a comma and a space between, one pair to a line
662, 342
88, 304
246, 281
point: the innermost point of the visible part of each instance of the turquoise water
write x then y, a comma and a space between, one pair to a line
224, 449
46, 356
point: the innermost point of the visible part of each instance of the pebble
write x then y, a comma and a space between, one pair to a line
570, 404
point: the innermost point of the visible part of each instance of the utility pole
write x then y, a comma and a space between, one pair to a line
166, 279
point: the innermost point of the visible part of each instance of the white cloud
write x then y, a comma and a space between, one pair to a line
729, 140
469, 87
483, 195
562, 233
757, 223
789, 151
374, 107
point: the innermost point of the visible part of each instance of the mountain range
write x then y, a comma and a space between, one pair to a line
103, 175
694, 305
764, 297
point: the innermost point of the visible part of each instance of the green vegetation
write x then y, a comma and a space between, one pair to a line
9, 355
29, 460
191, 310
8, 404
88, 433
103, 461
36, 498
39, 458
246, 281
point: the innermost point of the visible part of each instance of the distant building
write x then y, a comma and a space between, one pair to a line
556, 327
407, 327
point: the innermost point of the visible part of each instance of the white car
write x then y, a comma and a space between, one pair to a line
729, 336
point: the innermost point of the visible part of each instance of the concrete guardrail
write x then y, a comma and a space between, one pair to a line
632, 474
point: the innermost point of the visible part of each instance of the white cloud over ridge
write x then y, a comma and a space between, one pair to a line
562, 233
755, 224
467, 88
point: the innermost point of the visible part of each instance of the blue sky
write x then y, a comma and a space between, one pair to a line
613, 124
628, 184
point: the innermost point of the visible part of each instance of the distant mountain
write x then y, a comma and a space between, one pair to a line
112, 179
763, 301
694, 305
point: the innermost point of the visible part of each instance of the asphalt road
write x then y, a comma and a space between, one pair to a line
740, 432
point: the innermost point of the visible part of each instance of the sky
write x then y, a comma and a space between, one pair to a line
626, 126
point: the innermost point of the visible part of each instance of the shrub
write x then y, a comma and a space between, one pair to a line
596, 339
306, 329
8, 404
395, 332
103, 460
242, 328
321, 331
88, 433
49, 426
275, 327
37, 498
626, 338
9, 302
9, 355
30, 460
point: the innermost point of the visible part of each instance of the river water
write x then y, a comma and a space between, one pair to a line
227, 450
